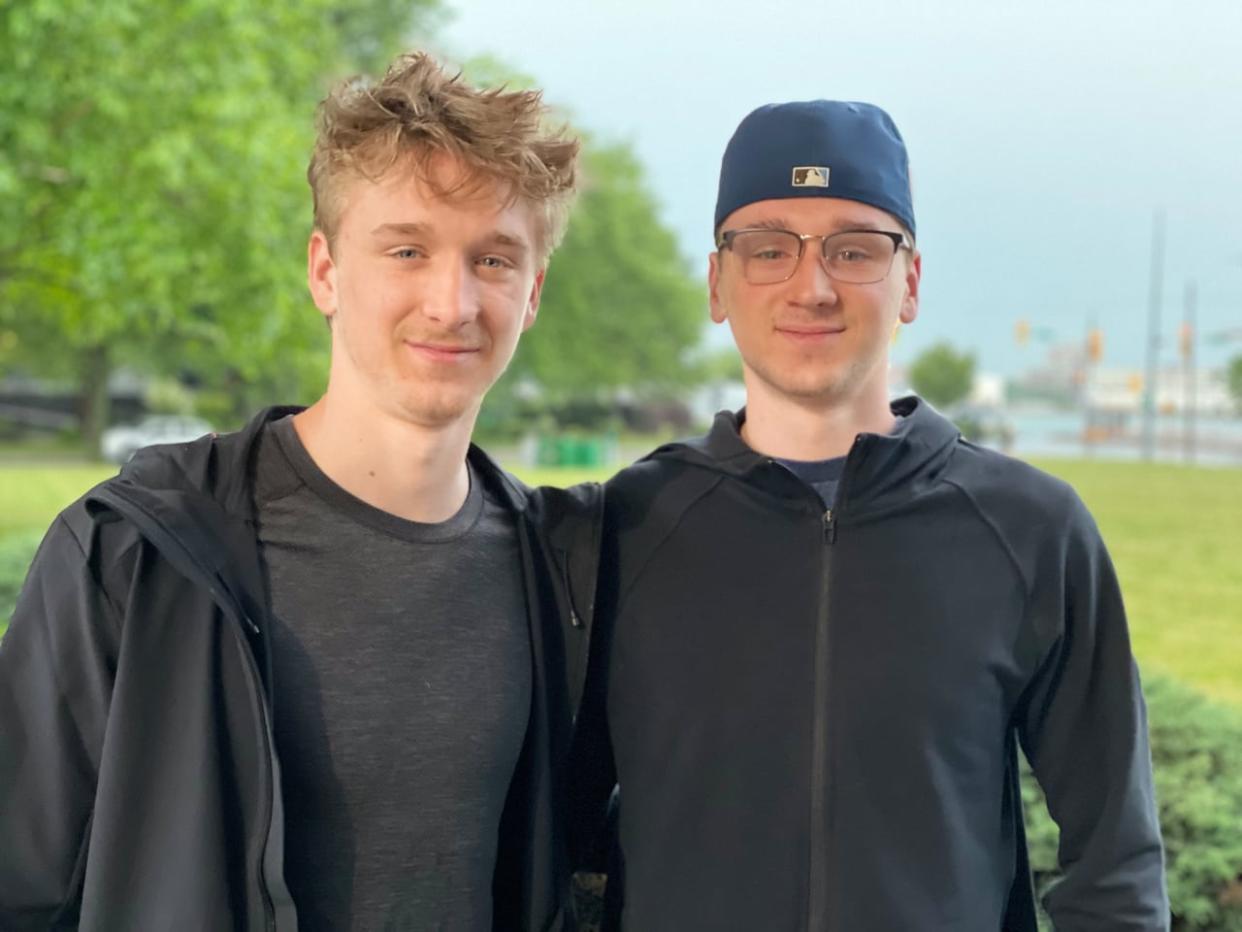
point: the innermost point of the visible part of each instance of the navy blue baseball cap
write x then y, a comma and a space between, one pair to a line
817, 148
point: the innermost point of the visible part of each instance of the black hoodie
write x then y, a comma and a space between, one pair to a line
814, 712
139, 786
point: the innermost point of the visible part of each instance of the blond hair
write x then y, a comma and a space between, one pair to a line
418, 111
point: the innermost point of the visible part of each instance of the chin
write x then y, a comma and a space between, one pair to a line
435, 411
816, 386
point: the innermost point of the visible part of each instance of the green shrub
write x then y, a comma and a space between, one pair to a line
1197, 756
16, 552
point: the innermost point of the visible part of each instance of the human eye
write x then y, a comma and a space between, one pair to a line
851, 250
495, 262
406, 252
494, 266
767, 247
771, 254
851, 254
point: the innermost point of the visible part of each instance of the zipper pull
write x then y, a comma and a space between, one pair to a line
574, 618
830, 527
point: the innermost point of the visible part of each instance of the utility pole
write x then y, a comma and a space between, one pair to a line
1092, 351
1153, 334
1189, 376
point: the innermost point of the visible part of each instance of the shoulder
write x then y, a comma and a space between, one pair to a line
86, 531
1038, 519
674, 482
220, 466
79, 581
1012, 489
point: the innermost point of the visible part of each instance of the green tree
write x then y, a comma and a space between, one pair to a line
621, 307
153, 206
942, 375
717, 365
1233, 376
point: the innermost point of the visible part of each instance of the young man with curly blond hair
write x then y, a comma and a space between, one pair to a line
320, 673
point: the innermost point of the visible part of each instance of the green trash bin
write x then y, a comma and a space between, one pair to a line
566, 450
589, 452
546, 451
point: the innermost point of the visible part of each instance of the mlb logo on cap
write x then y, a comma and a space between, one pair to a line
810, 176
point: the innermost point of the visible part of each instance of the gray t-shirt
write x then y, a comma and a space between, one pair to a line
402, 689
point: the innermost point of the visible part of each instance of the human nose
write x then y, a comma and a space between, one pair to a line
811, 284
451, 296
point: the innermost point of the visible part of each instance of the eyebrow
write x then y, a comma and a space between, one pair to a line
772, 223
504, 239
403, 229
850, 225
415, 228
844, 225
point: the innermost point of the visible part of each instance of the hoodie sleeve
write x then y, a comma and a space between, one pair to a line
1083, 726
56, 663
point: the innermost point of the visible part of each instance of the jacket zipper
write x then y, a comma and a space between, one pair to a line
817, 900
265, 730
820, 868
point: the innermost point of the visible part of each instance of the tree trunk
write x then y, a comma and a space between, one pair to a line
94, 402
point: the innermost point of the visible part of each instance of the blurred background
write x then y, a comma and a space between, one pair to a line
1078, 202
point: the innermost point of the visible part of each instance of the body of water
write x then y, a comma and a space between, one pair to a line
1217, 441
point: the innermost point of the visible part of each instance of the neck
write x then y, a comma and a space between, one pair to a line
409, 470
811, 429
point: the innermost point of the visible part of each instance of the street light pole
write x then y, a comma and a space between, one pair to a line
1153, 334
1189, 376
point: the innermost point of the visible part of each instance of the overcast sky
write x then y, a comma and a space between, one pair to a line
1042, 137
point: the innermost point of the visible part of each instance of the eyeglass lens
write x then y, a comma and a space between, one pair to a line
856, 257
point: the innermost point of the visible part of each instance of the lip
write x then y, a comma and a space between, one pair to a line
442, 352
809, 334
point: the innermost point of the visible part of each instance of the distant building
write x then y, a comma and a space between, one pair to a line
1122, 391
721, 395
987, 391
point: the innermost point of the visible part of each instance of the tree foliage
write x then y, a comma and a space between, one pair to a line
942, 375
620, 307
154, 209
1233, 375
152, 191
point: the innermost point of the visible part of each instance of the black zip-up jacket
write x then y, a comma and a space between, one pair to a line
139, 786
814, 712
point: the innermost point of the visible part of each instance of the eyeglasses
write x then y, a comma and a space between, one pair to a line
856, 257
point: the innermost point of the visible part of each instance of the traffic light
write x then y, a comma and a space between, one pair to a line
1095, 344
1022, 332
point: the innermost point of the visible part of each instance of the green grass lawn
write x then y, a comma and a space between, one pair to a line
31, 495
1175, 534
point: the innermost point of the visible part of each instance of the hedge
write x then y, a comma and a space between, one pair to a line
1197, 755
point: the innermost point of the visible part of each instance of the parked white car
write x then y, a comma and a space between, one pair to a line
118, 444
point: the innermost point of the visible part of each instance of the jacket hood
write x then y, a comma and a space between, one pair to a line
881, 470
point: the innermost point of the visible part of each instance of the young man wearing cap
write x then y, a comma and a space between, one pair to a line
826, 628
317, 674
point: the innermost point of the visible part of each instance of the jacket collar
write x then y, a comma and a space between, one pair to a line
221, 467
881, 469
